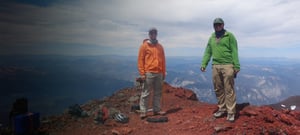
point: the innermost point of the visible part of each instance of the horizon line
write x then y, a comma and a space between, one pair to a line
119, 55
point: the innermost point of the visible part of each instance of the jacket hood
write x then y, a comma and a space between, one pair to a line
146, 40
149, 41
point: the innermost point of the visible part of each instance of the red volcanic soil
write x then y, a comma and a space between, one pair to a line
186, 116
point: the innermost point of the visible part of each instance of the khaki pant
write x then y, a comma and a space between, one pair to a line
154, 81
223, 81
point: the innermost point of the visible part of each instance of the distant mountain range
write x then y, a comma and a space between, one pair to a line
291, 103
261, 81
52, 83
59, 81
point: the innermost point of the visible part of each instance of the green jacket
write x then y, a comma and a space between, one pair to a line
225, 51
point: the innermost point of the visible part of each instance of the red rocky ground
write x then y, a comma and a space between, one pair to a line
186, 115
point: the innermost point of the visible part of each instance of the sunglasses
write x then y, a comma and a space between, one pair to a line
153, 33
218, 24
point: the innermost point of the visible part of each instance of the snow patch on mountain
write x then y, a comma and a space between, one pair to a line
203, 77
267, 69
248, 76
261, 81
181, 83
191, 72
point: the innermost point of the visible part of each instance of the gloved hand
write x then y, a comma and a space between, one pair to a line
202, 69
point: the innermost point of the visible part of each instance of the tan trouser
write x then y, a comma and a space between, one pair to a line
154, 81
223, 80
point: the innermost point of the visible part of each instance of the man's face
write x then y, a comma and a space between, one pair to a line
152, 35
218, 26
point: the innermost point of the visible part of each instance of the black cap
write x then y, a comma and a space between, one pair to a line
152, 30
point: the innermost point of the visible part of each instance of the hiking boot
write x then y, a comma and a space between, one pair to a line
230, 117
219, 114
159, 113
143, 115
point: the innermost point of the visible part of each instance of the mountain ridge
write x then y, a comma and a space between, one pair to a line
288, 103
186, 115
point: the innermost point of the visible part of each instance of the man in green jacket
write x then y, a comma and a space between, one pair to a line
222, 47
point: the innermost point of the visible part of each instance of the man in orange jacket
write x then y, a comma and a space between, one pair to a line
152, 68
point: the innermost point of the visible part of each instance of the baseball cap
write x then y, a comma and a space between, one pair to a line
218, 20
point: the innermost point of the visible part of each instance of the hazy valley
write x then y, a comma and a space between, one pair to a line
52, 83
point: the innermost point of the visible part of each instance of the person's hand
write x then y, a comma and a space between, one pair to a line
140, 79
235, 72
202, 69
143, 77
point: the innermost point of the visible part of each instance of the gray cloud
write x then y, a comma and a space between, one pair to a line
124, 24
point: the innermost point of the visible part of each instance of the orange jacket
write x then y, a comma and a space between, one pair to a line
151, 58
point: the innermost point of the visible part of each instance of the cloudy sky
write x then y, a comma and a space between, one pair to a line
268, 28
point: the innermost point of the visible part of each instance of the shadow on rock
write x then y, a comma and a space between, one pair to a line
174, 110
240, 107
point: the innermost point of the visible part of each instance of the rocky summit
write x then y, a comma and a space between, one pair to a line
185, 114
